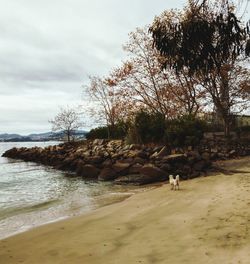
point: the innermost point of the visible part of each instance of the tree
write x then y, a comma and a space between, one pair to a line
107, 98
67, 120
207, 40
202, 38
145, 83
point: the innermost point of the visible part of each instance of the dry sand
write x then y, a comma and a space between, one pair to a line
207, 221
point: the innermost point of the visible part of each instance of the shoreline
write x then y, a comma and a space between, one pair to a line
207, 221
67, 213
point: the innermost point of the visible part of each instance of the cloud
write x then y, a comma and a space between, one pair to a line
48, 49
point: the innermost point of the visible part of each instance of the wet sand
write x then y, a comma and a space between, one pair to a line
207, 221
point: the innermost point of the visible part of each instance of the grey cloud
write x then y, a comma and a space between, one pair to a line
48, 49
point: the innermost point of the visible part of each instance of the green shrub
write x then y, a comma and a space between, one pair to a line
184, 131
118, 131
149, 127
99, 132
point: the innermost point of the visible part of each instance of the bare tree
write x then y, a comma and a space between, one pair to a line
67, 120
144, 81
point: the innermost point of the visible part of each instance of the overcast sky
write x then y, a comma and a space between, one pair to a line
49, 47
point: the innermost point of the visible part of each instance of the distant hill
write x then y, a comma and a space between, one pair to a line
47, 136
6, 136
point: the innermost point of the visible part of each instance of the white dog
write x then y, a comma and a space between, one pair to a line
174, 183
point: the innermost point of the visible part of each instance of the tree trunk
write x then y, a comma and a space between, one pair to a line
68, 136
226, 120
224, 98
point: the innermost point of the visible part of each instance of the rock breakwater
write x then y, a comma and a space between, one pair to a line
113, 160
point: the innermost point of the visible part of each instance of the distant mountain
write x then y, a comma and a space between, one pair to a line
47, 136
9, 136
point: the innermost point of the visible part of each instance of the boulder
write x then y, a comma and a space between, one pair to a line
135, 169
107, 163
121, 168
139, 160
201, 165
134, 146
205, 156
94, 160
66, 164
174, 158
88, 171
142, 154
107, 174
153, 173
166, 167
138, 179
98, 142
232, 153
195, 155
163, 152
132, 154
194, 174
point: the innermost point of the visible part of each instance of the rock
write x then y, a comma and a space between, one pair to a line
153, 173
127, 160
194, 155
166, 167
221, 155
200, 165
138, 179
214, 150
205, 156
107, 174
154, 155
194, 174
232, 153
88, 171
98, 142
174, 158
134, 147
94, 160
116, 156
139, 160
66, 164
157, 148
132, 154
187, 170
142, 154
107, 163
121, 168
135, 169
79, 167
190, 148
163, 152
160, 153
213, 156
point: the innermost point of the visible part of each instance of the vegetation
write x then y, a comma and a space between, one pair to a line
67, 120
149, 127
185, 64
184, 131
118, 131
209, 41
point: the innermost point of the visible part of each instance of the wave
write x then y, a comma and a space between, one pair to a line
9, 212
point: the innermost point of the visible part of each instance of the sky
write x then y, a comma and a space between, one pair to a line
49, 48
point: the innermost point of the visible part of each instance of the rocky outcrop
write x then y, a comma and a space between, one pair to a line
138, 164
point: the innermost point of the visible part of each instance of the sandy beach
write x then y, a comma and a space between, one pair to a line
207, 221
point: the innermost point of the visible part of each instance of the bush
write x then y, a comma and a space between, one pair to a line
148, 127
184, 131
118, 131
243, 131
99, 132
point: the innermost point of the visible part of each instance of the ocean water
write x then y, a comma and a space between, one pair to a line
33, 194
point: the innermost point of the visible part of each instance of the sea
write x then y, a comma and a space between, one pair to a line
32, 194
